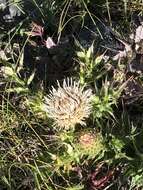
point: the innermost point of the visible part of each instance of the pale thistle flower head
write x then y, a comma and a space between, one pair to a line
69, 104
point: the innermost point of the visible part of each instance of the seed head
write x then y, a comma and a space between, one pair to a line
68, 104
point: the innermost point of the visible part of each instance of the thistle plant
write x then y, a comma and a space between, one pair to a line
78, 145
86, 61
106, 99
91, 65
69, 104
35, 104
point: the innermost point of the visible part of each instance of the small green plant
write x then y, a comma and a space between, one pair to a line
105, 99
75, 146
17, 84
36, 104
90, 65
